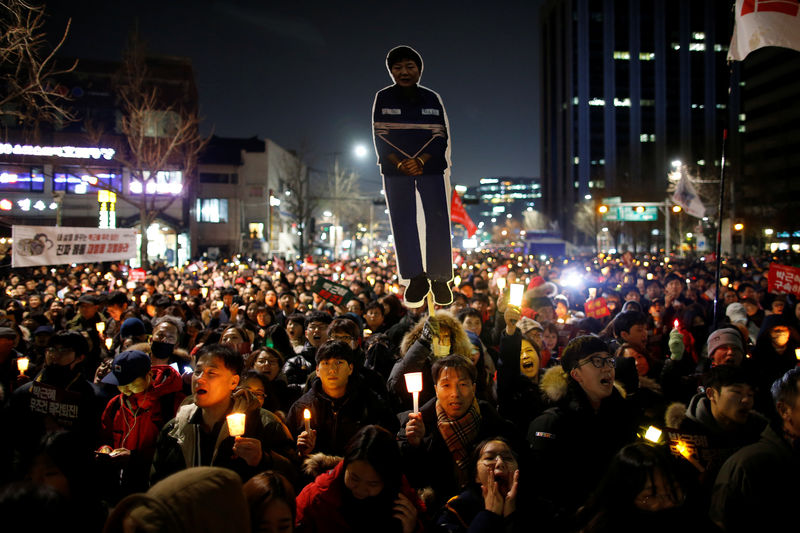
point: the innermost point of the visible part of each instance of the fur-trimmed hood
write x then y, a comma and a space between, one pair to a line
459, 340
555, 384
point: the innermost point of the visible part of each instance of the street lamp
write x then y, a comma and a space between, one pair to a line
676, 209
360, 151
738, 226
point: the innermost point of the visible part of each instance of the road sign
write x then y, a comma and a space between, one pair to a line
631, 214
612, 200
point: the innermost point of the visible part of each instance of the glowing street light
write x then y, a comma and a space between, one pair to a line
676, 209
360, 151
738, 226
603, 209
768, 231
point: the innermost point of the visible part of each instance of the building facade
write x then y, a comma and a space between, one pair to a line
241, 201
77, 173
629, 87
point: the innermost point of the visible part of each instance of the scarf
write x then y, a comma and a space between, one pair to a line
459, 435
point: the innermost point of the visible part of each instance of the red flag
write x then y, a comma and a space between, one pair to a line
764, 23
459, 215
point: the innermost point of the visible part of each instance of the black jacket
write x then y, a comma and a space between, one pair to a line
573, 445
337, 420
432, 464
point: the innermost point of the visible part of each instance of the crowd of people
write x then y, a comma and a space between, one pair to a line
612, 397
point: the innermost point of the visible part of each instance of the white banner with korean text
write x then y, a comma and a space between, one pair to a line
52, 245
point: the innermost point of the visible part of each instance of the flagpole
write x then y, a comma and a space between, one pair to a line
718, 251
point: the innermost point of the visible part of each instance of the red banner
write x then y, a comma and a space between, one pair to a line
459, 215
783, 279
597, 308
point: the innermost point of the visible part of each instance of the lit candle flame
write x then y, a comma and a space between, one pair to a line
101, 327
22, 364
307, 419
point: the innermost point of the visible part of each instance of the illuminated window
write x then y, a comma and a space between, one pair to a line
697, 47
625, 102
647, 56
212, 210
597, 102
622, 55
166, 182
86, 180
698, 36
22, 179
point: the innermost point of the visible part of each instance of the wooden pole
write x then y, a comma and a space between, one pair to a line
431, 307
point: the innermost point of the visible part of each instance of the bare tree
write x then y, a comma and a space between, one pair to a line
589, 222
535, 220
28, 74
300, 203
157, 136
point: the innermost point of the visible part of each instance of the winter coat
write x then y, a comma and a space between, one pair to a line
573, 444
697, 419
134, 421
519, 399
179, 445
432, 464
769, 364
298, 368
417, 356
337, 420
757, 487
322, 507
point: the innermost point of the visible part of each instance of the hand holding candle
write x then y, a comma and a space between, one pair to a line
236, 424
414, 385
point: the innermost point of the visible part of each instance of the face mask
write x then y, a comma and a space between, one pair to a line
57, 375
162, 350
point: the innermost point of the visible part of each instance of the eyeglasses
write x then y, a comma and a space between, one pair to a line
60, 352
598, 362
269, 362
258, 393
491, 459
316, 327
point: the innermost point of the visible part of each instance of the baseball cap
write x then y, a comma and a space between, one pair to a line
128, 366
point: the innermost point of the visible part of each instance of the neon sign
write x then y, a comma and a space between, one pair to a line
72, 152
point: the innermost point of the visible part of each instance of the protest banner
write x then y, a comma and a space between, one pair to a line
783, 279
54, 245
332, 292
597, 308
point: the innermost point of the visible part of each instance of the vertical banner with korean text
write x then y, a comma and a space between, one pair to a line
52, 245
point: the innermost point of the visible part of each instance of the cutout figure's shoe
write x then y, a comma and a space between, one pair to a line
442, 294
416, 291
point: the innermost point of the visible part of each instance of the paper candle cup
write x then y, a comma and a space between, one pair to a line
501, 284
22, 364
109, 342
101, 327
797, 353
413, 381
236, 424
517, 289
220, 305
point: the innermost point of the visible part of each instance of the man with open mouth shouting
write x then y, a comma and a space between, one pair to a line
574, 441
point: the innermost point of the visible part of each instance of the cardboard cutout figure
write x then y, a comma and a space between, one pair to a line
413, 147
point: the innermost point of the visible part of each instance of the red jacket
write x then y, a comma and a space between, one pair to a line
134, 421
319, 504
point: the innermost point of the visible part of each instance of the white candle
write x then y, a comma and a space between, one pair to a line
414, 385
515, 298
307, 419
236, 424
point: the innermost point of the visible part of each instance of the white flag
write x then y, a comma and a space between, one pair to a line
764, 23
686, 196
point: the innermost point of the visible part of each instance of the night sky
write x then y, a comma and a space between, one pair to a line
307, 72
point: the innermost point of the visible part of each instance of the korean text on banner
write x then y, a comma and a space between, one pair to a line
783, 279
332, 292
52, 245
